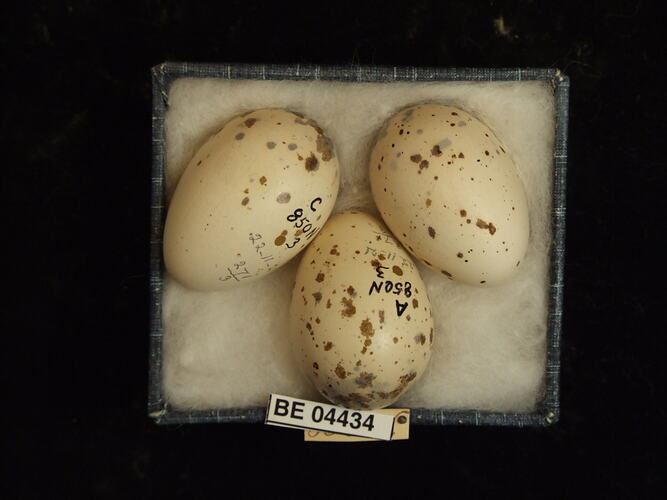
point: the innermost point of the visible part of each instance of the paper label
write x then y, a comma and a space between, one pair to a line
286, 411
401, 429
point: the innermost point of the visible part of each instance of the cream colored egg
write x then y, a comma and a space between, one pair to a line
361, 324
450, 192
251, 198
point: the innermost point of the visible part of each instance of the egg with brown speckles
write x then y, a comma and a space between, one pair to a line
451, 193
253, 196
360, 319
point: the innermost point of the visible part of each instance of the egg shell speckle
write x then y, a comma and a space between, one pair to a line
252, 197
360, 319
450, 192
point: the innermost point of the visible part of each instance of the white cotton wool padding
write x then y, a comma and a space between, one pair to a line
229, 349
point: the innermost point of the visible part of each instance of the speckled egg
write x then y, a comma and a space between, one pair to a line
360, 318
450, 192
251, 198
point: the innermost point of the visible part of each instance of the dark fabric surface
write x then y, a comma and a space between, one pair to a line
76, 107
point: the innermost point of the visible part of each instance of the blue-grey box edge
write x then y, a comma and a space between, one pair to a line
162, 77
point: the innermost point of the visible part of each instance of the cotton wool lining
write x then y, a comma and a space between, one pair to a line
230, 349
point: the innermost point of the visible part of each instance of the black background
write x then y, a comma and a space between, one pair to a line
75, 122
